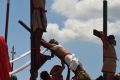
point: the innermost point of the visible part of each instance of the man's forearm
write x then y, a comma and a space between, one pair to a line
104, 39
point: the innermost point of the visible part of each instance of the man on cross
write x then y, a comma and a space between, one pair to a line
68, 58
109, 55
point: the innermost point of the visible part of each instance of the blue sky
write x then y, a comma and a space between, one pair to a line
71, 23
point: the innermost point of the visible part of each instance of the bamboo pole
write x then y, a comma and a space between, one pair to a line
7, 20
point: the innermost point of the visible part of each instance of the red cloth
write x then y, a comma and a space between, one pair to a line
57, 69
55, 78
56, 72
4, 60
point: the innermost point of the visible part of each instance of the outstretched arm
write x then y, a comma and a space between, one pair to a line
46, 44
104, 38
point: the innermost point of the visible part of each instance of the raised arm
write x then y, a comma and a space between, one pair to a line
46, 44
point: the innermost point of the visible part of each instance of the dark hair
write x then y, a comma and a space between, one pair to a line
117, 76
111, 37
44, 75
54, 41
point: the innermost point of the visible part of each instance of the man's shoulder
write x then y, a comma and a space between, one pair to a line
58, 46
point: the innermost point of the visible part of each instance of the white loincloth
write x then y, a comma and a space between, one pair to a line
72, 61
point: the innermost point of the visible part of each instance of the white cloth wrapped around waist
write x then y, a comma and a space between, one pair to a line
72, 61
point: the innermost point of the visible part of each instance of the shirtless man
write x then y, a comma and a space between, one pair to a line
68, 58
109, 55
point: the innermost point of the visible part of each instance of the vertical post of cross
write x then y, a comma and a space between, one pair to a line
38, 27
105, 17
32, 43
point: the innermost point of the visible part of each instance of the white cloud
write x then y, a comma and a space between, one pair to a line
85, 9
114, 28
82, 17
61, 35
79, 30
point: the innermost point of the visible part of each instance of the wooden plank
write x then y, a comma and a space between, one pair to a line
32, 43
105, 17
37, 29
25, 26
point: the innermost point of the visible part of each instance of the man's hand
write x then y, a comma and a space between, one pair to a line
97, 33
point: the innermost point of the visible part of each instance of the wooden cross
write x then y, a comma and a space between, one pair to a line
95, 32
13, 53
